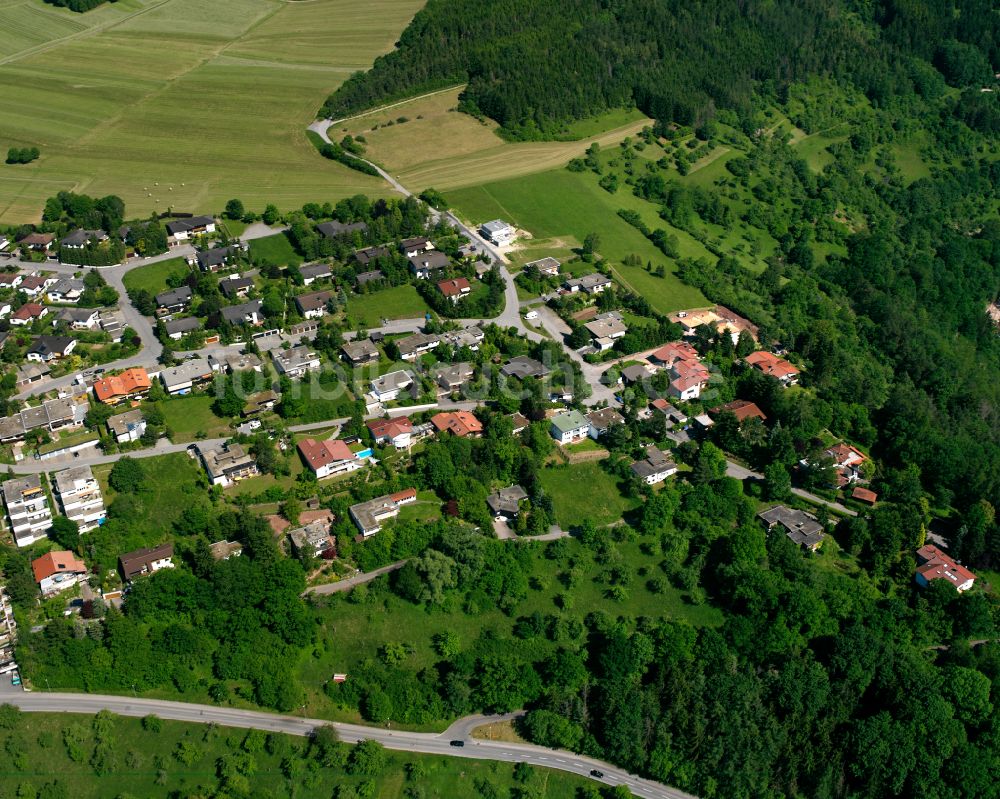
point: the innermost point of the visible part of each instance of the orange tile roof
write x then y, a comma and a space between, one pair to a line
29, 310
390, 428
131, 381
864, 494
741, 409
58, 562
771, 364
461, 423
452, 288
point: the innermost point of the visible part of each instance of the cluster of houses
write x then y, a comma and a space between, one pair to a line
60, 570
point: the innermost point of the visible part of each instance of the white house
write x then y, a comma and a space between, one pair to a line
569, 427
498, 232
329, 457
56, 571
80, 496
389, 386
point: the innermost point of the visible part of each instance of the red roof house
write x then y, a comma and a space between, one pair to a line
936, 564
770, 364
455, 289
395, 431
329, 457
461, 423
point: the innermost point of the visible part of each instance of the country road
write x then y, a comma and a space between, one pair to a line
423, 743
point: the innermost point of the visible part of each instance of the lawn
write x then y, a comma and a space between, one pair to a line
559, 204
190, 415
153, 277
584, 491
276, 250
145, 765
397, 302
182, 104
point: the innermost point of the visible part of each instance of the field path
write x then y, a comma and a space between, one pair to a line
320, 126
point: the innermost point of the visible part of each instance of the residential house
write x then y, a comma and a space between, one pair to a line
54, 414
455, 289
313, 306
369, 254
187, 376
313, 538
313, 272
671, 414
360, 352
426, 263
847, 461
242, 362
605, 329
77, 318
113, 323
452, 377
39, 242
655, 467
364, 278
224, 550
296, 362
185, 229
178, 328
397, 431
569, 426
128, 426
675, 351
79, 494
771, 364
126, 386
369, 516
413, 247
79, 239
46, 349
506, 502
471, 337
390, 386
10, 280
519, 423
522, 366
27, 509
35, 285
260, 402
66, 290
636, 373
147, 560
741, 409
248, 313
236, 287
461, 423
545, 266
411, 347
329, 457
498, 232
28, 313
602, 420
594, 283
174, 300
801, 528
227, 463
332, 230
936, 564
214, 259
58, 571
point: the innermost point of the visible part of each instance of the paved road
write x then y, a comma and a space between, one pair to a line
358, 579
151, 350
425, 743
162, 447
743, 473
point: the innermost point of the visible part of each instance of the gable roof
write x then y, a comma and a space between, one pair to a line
771, 364
57, 562
128, 382
30, 310
741, 409
569, 420
390, 428
181, 294
461, 423
454, 287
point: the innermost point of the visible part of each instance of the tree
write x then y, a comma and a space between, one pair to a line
367, 758
127, 476
710, 464
65, 532
777, 482
234, 210
591, 244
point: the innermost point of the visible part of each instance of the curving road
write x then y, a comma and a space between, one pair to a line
423, 743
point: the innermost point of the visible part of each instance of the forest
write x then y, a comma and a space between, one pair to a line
536, 65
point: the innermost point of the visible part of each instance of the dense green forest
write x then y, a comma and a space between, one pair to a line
533, 65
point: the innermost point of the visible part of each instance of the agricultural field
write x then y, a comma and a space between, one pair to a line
559, 206
438, 146
178, 104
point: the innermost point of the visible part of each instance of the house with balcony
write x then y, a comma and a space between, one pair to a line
28, 509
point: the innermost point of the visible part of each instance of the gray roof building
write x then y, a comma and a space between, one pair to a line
507, 501
801, 527
522, 366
